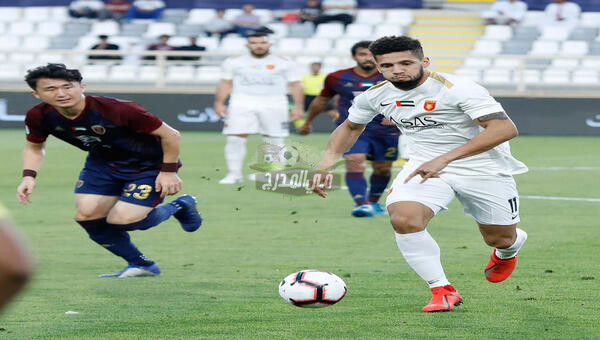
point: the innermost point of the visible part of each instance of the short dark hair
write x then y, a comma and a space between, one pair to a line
256, 34
52, 71
360, 44
103, 36
394, 43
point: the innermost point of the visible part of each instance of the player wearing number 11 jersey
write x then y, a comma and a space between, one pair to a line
132, 163
457, 136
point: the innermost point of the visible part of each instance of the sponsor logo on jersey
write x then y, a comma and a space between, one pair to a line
59, 128
270, 66
349, 84
98, 129
419, 123
429, 105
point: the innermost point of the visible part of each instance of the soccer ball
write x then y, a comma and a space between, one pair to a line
289, 155
312, 288
269, 158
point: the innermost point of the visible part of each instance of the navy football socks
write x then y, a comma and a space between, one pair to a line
378, 184
357, 185
154, 218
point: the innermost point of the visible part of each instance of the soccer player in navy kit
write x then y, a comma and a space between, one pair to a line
379, 141
131, 166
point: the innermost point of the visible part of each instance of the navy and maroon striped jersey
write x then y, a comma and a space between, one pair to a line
111, 130
348, 84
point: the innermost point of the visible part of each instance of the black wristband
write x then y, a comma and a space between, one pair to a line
29, 173
168, 167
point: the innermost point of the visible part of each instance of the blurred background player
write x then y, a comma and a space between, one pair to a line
131, 165
312, 82
258, 83
458, 141
15, 265
379, 142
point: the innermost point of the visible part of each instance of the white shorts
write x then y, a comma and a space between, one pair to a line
488, 199
272, 120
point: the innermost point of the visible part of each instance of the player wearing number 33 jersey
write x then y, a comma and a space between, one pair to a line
457, 136
132, 163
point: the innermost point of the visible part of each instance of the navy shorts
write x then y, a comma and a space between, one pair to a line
380, 148
132, 187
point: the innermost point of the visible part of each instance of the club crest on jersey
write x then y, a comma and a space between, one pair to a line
79, 184
429, 105
98, 129
270, 66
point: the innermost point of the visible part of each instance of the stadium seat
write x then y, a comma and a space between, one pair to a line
541, 47
280, 29
47, 57
50, 28
565, 64
21, 28
525, 33
360, 31
388, 29
2, 28
584, 33
190, 30
470, 73
200, 15
211, 43
208, 74
10, 71
156, 29
497, 76
590, 19
298, 30
289, 45
555, 33
265, 15
318, 45
369, 16
486, 47
8, 14
331, 62
574, 48
174, 15
148, 73
530, 76
343, 46
510, 63
36, 14
94, 72
532, 18
585, 77
63, 43
36, 43
590, 64
77, 28
107, 27
59, 13
497, 32
594, 48
477, 63
9, 42
233, 44
516, 47
180, 73
555, 77
179, 41
402, 17
86, 42
231, 13
329, 30
133, 29
22, 57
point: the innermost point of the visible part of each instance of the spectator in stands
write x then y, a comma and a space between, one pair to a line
337, 10
193, 46
509, 12
116, 9
247, 22
162, 45
104, 45
312, 83
145, 9
311, 11
561, 13
86, 8
219, 25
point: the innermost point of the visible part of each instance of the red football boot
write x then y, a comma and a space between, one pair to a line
498, 270
444, 298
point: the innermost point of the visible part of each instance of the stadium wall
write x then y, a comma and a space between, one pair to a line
533, 116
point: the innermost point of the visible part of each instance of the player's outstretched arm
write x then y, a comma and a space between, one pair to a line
297, 93
33, 157
317, 106
498, 128
167, 181
223, 91
341, 140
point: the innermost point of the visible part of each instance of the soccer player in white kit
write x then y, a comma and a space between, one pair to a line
457, 139
258, 84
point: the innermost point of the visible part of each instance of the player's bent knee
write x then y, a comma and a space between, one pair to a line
404, 224
499, 241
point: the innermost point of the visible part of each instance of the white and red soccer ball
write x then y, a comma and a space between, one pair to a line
312, 289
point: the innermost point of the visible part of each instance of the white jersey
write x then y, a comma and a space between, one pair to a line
437, 117
262, 80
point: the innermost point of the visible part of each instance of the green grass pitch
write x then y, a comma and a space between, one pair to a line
221, 281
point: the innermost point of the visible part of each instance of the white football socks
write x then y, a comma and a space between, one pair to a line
235, 151
514, 249
422, 254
